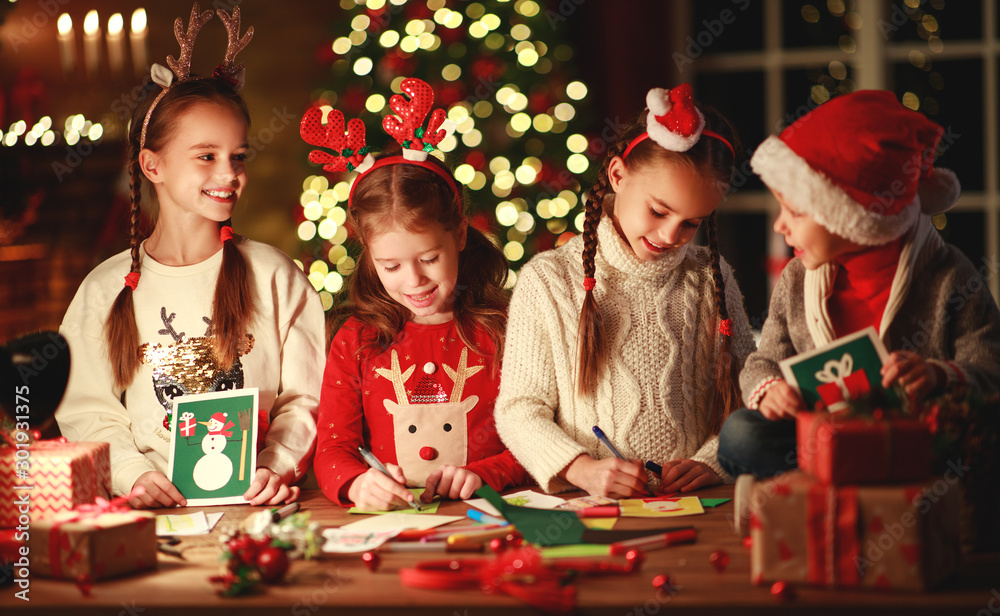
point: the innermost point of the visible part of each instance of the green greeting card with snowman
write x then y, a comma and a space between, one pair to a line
213, 455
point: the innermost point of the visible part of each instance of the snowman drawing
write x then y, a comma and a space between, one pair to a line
214, 469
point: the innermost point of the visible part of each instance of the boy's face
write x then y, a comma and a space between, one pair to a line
813, 244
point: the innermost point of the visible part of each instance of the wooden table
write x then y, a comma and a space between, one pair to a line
342, 585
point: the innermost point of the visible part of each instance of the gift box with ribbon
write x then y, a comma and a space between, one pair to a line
93, 542
61, 475
841, 383
843, 449
884, 537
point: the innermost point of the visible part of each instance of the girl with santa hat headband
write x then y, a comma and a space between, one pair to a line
857, 186
628, 329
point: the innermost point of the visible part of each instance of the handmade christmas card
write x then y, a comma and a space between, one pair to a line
213, 453
844, 370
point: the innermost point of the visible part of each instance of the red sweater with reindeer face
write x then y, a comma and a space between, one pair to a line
425, 401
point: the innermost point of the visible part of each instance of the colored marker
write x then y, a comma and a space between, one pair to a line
604, 439
655, 541
485, 518
377, 465
654, 467
442, 534
603, 511
435, 546
280, 514
473, 537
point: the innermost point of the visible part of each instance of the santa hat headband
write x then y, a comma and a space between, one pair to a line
861, 165
349, 152
674, 122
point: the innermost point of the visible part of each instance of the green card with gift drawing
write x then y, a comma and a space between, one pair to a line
846, 369
213, 455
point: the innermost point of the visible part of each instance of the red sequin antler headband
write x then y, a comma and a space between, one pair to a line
349, 152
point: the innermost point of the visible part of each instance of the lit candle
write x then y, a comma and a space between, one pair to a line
66, 51
137, 39
116, 43
92, 43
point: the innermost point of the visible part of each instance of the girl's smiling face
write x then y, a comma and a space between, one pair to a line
658, 207
419, 269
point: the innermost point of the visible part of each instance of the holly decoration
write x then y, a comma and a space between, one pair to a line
272, 562
248, 561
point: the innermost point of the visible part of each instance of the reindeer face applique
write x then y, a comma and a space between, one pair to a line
188, 366
430, 428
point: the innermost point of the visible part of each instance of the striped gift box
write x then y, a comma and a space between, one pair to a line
63, 475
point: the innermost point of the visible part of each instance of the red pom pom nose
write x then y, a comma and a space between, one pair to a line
428, 453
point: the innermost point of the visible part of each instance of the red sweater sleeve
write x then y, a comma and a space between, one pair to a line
340, 428
501, 471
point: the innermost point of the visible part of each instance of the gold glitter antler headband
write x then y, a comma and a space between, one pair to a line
181, 67
227, 70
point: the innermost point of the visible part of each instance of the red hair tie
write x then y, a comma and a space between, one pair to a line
226, 233
132, 280
589, 283
726, 327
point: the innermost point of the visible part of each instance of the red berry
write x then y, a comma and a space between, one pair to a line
273, 564
719, 560
371, 560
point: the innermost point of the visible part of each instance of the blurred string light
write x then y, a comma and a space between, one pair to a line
43, 133
381, 41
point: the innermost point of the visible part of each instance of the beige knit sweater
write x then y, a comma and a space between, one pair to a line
654, 400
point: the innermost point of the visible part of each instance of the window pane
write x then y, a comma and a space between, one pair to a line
950, 93
805, 89
739, 97
818, 23
923, 20
725, 25
966, 230
743, 243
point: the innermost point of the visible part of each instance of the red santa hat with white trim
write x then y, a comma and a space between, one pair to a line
861, 165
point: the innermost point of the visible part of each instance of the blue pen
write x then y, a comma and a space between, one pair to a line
485, 518
604, 439
377, 465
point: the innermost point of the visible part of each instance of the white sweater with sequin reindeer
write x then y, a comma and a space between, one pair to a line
655, 397
173, 306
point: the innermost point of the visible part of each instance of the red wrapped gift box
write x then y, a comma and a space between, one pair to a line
854, 385
844, 450
63, 474
886, 537
96, 544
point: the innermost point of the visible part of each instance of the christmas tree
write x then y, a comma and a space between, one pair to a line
502, 70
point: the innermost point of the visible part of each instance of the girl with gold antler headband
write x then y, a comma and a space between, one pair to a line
201, 309
413, 372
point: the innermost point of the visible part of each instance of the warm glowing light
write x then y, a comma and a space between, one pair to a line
911, 101
313, 210
478, 29
520, 32
528, 8
514, 251
333, 282
472, 138
389, 38
138, 20
521, 122
499, 164
576, 90
464, 173
342, 45
409, 44
576, 143
64, 24
363, 66
525, 174
375, 103
91, 23
307, 230
506, 213
361, 22
326, 228
451, 72
577, 163
565, 112
542, 122
319, 267
115, 24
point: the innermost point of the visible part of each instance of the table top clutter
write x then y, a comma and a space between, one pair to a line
706, 576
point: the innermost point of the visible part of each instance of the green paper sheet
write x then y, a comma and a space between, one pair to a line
714, 502
538, 526
416, 492
582, 550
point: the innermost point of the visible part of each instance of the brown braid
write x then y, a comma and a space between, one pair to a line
120, 329
591, 350
727, 392
234, 304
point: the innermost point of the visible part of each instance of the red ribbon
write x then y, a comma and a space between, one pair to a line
589, 283
726, 327
225, 233
832, 543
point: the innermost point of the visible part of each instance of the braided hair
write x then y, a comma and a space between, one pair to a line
714, 159
234, 304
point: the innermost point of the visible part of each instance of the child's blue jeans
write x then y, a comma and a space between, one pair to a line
749, 443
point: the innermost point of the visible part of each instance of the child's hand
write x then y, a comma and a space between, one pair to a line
452, 482
373, 491
610, 477
158, 492
687, 476
780, 402
909, 369
267, 488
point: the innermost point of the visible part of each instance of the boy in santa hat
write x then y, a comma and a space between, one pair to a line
857, 188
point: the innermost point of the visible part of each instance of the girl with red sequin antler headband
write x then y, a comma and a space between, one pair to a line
427, 295
214, 311
636, 350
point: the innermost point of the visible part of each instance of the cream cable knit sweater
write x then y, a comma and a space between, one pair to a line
655, 398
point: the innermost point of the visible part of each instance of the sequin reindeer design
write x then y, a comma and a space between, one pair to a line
430, 428
188, 366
